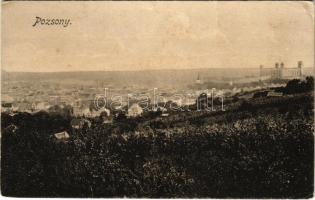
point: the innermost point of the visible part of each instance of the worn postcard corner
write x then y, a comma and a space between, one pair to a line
157, 99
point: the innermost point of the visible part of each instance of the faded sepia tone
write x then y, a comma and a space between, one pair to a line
156, 35
162, 99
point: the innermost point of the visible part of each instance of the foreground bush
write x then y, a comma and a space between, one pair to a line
265, 152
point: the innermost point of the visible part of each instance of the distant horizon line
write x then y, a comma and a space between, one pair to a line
138, 70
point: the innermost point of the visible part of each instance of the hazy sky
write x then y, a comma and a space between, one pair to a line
156, 35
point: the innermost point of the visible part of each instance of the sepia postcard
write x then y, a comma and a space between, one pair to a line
157, 99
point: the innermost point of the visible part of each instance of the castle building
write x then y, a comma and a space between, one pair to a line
281, 72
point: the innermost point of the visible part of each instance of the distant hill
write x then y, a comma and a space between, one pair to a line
149, 77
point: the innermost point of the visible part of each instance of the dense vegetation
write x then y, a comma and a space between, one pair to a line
256, 150
299, 86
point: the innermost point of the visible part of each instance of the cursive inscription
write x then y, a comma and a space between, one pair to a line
39, 21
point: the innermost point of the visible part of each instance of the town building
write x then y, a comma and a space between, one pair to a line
135, 110
62, 135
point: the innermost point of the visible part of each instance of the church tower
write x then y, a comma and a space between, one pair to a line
198, 80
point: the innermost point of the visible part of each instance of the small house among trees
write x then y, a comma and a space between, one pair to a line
135, 110
62, 135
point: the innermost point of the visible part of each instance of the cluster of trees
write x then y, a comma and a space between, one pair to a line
263, 152
299, 86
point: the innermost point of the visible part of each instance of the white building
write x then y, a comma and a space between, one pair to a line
62, 135
135, 110
97, 113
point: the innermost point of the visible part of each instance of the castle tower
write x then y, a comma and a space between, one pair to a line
282, 65
277, 71
281, 70
300, 66
260, 71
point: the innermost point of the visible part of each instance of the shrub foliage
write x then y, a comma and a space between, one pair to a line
255, 151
